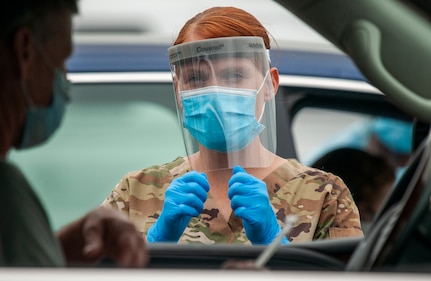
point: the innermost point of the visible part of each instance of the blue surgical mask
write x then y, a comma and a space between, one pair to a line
220, 118
41, 122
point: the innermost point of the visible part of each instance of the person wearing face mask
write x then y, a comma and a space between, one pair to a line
35, 40
231, 187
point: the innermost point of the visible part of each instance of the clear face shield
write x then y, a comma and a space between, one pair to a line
225, 102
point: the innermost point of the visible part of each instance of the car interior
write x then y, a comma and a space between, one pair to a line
374, 34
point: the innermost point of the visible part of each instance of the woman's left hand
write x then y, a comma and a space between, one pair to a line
250, 202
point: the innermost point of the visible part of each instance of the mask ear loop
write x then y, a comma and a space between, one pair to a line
65, 83
258, 92
46, 59
261, 115
27, 96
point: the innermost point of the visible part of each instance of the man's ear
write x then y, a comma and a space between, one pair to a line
24, 50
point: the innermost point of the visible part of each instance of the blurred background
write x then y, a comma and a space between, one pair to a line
160, 21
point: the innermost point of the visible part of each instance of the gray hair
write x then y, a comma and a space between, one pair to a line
31, 13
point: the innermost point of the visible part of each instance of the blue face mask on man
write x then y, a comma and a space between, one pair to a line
42, 122
220, 118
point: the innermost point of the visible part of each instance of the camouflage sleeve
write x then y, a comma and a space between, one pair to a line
339, 216
119, 197
140, 194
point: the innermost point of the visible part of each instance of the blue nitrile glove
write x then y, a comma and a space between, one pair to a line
184, 199
250, 202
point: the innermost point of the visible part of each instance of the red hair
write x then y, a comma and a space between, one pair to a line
223, 22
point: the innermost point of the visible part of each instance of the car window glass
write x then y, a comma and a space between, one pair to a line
313, 129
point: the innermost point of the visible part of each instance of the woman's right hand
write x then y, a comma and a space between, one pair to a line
184, 199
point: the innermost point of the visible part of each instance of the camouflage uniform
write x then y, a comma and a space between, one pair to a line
323, 204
